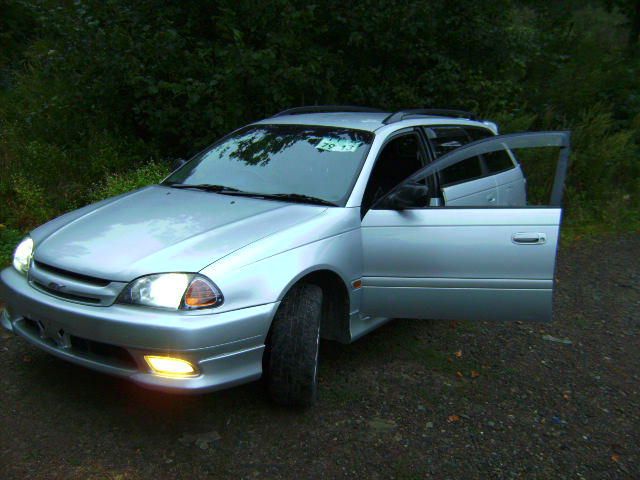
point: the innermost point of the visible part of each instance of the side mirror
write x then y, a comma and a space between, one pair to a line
410, 195
177, 163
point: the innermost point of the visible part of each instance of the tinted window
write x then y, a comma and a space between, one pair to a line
445, 139
495, 161
318, 161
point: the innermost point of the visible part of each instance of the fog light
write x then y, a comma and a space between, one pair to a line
175, 367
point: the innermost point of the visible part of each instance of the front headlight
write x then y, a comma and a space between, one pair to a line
185, 291
23, 255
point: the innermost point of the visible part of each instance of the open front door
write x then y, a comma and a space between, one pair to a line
485, 260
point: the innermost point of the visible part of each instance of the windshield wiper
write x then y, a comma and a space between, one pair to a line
204, 186
293, 197
298, 197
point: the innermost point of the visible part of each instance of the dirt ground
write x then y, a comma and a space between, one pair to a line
415, 399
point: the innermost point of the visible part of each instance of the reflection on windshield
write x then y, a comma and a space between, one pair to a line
320, 162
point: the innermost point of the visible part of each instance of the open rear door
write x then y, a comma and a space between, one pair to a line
484, 262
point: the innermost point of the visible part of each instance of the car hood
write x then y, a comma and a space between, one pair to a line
161, 229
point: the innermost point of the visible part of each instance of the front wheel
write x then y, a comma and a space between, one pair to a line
292, 350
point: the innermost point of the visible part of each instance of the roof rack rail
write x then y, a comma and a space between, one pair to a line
326, 109
436, 112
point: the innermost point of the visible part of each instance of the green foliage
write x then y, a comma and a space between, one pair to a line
117, 183
9, 239
40, 178
28, 203
91, 90
605, 162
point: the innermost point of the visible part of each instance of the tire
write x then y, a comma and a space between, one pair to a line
292, 348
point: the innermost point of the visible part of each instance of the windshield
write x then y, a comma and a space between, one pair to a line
321, 162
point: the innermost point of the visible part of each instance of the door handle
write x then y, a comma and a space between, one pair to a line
529, 238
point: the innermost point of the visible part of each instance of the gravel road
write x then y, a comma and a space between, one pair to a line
415, 399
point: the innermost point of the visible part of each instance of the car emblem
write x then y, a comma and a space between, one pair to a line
56, 286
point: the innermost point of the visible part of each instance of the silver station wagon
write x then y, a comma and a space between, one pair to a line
319, 222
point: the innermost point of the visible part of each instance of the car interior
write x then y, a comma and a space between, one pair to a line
400, 158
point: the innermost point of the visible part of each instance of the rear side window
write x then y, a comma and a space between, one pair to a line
495, 162
445, 139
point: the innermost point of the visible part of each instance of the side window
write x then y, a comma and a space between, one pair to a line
426, 189
445, 139
495, 162
397, 160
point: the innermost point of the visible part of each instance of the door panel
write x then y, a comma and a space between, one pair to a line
481, 192
482, 263
445, 303
458, 243
512, 188
459, 263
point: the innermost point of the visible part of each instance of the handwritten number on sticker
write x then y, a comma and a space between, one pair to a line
338, 145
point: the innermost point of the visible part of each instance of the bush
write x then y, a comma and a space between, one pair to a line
9, 239
40, 179
117, 183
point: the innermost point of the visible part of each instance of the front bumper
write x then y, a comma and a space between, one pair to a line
226, 347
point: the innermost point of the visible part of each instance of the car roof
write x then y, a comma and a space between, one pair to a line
368, 121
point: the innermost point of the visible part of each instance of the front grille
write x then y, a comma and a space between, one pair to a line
99, 282
72, 286
68, 296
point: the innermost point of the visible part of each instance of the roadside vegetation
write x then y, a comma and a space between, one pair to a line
98, 97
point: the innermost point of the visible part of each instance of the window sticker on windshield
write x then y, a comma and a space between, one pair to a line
338, 144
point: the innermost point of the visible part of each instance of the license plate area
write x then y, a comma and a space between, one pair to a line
50, 331
54, 334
